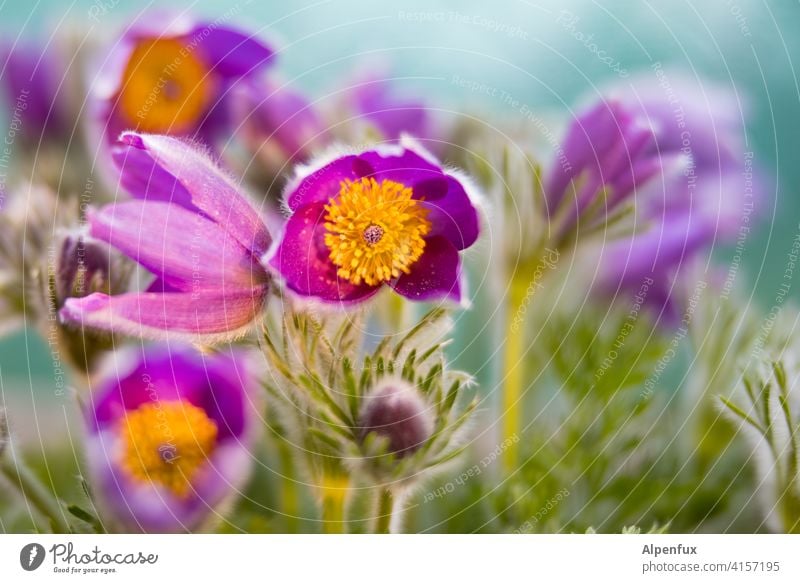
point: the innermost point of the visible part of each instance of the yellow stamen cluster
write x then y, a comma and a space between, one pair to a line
166, 443
375, 230
165, 88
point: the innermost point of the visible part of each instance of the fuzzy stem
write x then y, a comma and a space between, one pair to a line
513, 372
790, 508
333, 496
290, 501
383, 519
34, 492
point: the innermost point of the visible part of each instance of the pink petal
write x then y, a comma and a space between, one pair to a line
207, 316
186, 251
211, 190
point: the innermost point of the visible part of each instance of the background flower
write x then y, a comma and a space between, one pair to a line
172, 74
169, 436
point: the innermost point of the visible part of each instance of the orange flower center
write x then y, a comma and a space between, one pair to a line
166, 88
167, 443
375, 230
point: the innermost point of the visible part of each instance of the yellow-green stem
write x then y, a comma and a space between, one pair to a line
333, 498
34, 492
290, 500
513, 371
383, 519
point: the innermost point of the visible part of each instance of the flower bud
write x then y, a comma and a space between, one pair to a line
83, 268
395, 410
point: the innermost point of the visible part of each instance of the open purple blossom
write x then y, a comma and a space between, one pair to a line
171, 74
389, 216
169, 433
31, 82
192, 228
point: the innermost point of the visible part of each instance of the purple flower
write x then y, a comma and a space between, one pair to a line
170, 74
169, 436
390, 216
194, 231
682, 208
278, 119
372, 96
607, 148
31, 77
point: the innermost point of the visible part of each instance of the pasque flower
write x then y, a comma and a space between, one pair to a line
31, 74
168, 436
608, 149
192, 228
676, 154
389, 216
701, 201
278, 121
171, 74
373, 97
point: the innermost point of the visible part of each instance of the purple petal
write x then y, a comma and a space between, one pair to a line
211, 190
206, 316
320, 185
282, 115
148, 507
143, 178
435, 275
302, 259
404, 165
230, 53
186, 251
588, 138
454, 216
31, 73
171, 372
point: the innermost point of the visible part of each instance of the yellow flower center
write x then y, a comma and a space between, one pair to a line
165, 87
167, 443
375, 230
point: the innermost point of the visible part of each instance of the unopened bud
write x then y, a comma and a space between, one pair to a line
395, 410
83, 268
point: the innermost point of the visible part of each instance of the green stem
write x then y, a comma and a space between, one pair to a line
513, 372
383, 519
290, 501
333, 494
34, 492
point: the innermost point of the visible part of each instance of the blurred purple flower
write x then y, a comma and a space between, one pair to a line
280, 119
695, 185
606, 147
194, 230
390, 216
171, 74
169, 436
31, 78
372, 96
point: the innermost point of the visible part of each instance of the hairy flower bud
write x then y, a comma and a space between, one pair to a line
395, 410
84, 267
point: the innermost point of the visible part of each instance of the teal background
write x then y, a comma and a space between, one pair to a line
746, 45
